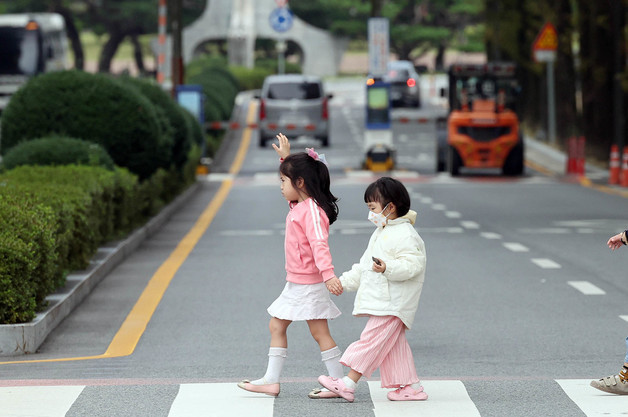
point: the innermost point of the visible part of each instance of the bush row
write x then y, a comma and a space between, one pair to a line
135, 121
53, 219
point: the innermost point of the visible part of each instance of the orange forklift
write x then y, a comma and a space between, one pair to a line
482, 127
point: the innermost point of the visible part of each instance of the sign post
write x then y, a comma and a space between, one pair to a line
544, 50
281, 21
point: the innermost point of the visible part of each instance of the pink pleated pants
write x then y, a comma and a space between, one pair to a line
383, 345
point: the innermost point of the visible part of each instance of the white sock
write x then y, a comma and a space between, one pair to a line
276, 358
349, 383
331, 359
416, 386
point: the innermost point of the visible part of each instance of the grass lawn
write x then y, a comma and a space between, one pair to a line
92, 45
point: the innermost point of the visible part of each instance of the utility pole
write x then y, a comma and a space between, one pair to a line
177, 44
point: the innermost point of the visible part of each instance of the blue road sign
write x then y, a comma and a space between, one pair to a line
281, 19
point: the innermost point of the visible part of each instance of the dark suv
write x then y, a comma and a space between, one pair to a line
404, 84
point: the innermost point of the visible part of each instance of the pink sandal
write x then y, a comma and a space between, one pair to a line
337, 385
407, 393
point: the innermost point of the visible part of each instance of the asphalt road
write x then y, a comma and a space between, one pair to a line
507, 325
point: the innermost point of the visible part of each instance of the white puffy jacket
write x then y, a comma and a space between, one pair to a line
395, 292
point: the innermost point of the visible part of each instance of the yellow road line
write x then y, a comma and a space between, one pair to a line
133, 327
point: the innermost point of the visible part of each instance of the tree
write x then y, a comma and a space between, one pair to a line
591, 57
416, 26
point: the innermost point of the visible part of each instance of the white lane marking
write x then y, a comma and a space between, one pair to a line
445, 398
490, 235
546, 263
453, 214
586, 288
515, 247
355, 231
46, 401
439, 207
441, 230
426, 200
219, 177
469, 224
625, 318
247, 232
224, 399
593, 402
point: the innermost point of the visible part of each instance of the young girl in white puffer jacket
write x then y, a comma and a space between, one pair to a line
388, 280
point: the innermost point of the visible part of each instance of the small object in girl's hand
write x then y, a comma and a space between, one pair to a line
377, 261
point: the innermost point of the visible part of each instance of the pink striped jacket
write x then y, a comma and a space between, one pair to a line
308, 260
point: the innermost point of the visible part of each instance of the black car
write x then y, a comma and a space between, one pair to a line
405, 90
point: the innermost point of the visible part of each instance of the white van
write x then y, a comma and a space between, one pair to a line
30, 44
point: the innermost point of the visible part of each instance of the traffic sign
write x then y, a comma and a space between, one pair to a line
281, 19
546, 43
378, 46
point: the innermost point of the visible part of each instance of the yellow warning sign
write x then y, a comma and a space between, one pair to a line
547, 39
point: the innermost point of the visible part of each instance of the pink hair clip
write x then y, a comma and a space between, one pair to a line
317, 157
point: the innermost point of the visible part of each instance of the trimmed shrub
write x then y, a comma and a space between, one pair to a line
31, 225
250, 78
180, 140
93, 107
220, 87
57, 150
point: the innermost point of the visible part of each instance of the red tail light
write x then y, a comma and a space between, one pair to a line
325, 109
262, 110
411, 82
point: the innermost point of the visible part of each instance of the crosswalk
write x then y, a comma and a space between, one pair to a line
448, 398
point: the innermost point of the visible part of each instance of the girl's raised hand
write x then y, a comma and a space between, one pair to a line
283, 150
334, 286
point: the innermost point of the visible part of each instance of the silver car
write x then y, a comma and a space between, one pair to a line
295, 105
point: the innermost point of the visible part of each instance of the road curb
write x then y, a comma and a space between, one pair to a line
23, 338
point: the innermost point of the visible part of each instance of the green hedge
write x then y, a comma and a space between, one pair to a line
219, 85
181, 136
92, 107
57, 150
53, 219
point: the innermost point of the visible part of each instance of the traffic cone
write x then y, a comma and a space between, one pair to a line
624, 168
572, 150
614, 166
580, 157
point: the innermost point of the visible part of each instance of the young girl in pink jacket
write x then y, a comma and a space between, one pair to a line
305, 184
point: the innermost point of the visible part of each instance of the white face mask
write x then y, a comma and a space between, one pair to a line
378, 219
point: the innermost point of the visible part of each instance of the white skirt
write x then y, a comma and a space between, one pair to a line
299, 302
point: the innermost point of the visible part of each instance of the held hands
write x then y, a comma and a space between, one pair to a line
616, 241
334, 286
283, 150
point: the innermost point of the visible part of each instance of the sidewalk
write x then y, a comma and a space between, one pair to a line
554, 162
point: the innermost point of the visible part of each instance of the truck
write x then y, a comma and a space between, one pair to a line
30, 44
482, 128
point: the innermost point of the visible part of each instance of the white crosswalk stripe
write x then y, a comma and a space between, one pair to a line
592, 402
446, 398
38, 401
222, 399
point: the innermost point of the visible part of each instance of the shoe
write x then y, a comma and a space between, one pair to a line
337, 385
614, 384
268, 389
318, 393
407, 393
